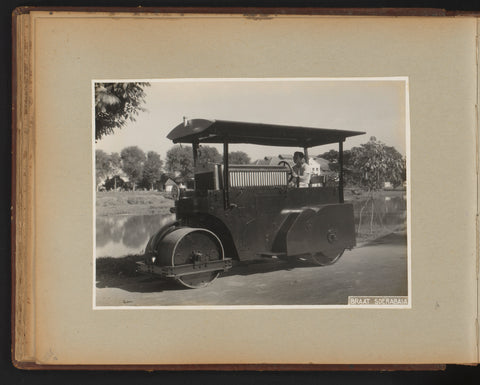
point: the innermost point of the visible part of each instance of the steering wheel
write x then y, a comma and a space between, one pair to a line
290, 170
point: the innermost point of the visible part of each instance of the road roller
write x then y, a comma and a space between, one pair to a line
250, 212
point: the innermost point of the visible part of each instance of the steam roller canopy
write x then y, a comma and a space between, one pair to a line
190, 246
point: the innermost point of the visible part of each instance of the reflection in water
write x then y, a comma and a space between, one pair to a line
117, 236
380, 213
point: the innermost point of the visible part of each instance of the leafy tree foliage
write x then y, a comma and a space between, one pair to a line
238, 157
152, 170
114, 182
331, 156
115, 162
116, 168
140, 169
116, 104
180, 159
133, 160
370, 165
207, 154
107, 168
378, 164
102, 166
352, 176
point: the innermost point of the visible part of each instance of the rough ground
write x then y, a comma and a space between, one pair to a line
376, 268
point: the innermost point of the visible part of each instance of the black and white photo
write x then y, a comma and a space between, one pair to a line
273, 192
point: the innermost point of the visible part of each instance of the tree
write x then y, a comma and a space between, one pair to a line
238, 157
115, 104
207, 154
378, 164
102, 166
133, 159
331, 156
397, 166
180, 159
114, 182
115, 162
351, 176
152, 169
116, 167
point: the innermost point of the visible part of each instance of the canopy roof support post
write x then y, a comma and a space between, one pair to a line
195, 146
340, 176
226, 181
305, 152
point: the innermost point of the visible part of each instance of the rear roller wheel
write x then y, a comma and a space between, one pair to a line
324, 259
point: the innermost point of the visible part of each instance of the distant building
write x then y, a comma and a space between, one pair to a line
168, 185
166, 182
316, 167
324, 165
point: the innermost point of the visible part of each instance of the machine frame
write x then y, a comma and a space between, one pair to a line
248, 212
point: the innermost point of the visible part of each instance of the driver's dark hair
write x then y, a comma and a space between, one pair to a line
301, 155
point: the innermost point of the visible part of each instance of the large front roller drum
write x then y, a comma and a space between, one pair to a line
190, 246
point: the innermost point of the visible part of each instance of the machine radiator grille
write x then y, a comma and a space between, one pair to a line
256, 178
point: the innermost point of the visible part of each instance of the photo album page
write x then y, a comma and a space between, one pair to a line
284, 189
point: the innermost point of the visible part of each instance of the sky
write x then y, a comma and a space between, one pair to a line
376, 106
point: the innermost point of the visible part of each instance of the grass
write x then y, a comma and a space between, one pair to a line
132, 202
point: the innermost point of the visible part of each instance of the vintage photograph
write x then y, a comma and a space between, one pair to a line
283, 192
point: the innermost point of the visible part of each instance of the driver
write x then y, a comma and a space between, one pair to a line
301, 170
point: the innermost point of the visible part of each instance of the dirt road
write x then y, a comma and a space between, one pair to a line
377, 268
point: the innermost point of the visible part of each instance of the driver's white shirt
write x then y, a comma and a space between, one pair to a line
304, 172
